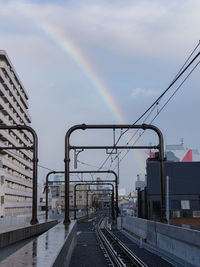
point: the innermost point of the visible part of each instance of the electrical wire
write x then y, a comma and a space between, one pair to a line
162, 108
151, 109
156, 102
89, 165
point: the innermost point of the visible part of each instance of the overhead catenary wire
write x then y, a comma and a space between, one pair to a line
89, 165
164, 105
151, 108
156, 102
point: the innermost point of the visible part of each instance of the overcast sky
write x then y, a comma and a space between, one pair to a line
103, 62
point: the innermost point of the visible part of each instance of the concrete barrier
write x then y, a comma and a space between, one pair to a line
18, 220
8, 236
174, 241
139, 226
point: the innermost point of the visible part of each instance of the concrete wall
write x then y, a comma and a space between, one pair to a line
178, 242
17, 220
12, 236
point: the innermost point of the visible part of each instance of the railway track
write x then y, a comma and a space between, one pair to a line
117, 253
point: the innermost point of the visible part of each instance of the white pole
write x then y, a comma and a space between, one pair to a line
118, 168
167, 198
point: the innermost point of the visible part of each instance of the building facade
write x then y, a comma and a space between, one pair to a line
58, 195
183, 193
15, 165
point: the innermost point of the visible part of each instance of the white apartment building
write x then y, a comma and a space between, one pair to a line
15, 165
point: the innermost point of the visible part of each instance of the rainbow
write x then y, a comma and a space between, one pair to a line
70, 48
63, 41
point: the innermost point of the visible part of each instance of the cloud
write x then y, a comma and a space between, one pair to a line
143, 92
131, 28
136, 41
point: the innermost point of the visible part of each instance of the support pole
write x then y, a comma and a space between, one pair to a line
47, 192
167, 198
87, 204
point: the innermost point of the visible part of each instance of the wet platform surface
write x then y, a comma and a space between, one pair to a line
41, 251
87, 252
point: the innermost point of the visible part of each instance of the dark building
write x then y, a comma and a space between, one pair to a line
184, 190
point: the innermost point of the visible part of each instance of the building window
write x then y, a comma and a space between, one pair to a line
185, 204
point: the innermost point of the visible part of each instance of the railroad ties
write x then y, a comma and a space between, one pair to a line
117, 253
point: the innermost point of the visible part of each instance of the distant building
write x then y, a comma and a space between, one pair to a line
59, 179
140, 182
184, 190
15, 165
122, 192
57, 194
179, 152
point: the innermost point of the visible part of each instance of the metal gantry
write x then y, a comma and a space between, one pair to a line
68, 147
100, 190
108, 171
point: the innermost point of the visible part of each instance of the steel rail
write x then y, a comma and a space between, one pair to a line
118, 252
115, 261
129, 255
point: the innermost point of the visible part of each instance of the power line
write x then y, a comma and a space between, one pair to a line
43, 167
89, 165
162, 108
156, 102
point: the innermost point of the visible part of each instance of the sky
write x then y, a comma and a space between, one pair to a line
103, 62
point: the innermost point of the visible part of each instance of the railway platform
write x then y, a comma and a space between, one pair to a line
52, 248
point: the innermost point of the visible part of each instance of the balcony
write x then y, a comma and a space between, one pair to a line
16, 168
13, 80
4, 136
5, 95
17, 204
11, 178
16, 192
11, 89
17, 132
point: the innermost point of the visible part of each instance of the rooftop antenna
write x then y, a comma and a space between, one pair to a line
182, 141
